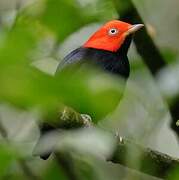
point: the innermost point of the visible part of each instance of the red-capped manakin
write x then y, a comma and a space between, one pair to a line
107, 49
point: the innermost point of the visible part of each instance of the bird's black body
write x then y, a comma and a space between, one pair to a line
113, 62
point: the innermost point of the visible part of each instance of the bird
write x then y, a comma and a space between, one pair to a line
106, 49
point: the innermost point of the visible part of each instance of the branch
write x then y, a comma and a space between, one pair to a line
143, 41
67, 118
147, 49
151, 162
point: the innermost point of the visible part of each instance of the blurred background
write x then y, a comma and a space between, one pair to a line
34, 36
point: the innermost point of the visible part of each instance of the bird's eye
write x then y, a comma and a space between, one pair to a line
113, 31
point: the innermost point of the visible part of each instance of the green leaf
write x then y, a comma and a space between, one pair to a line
65, 16
169, 54
53, 171
6, 158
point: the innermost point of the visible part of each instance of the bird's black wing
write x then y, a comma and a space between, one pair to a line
74, 57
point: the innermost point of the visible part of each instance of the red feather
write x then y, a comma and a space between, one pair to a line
102, 39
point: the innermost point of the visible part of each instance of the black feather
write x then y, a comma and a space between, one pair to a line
112, 62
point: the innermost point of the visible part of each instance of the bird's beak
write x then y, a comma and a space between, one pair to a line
134, 28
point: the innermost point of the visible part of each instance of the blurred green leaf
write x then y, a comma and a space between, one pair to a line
78, 141
91, 91
16, 46
173, 175
27, 87
65, 17
6, 158
121, 6
170, 55
103, 9
53, 171
85, 170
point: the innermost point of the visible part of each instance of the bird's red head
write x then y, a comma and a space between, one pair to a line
111, 36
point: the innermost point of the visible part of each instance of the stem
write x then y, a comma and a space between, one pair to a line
151, 162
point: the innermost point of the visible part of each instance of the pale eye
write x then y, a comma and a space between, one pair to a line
113, 31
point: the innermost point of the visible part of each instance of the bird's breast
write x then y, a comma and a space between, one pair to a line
109, 61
